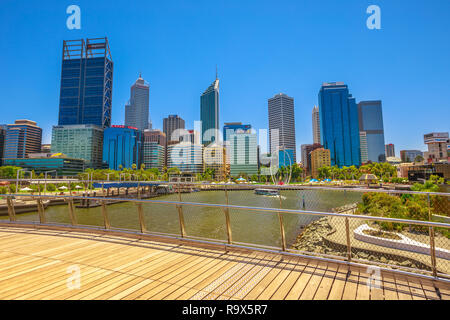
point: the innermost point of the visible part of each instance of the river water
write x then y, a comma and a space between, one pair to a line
256, 227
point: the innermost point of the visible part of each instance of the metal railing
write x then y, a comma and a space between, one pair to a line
336, 236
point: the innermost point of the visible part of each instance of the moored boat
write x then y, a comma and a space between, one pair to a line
267, 192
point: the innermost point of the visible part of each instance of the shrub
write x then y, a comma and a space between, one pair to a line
3, 190
51, 187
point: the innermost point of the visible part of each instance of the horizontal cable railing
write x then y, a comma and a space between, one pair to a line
322, 222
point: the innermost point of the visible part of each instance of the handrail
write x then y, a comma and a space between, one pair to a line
231, 206
225, 207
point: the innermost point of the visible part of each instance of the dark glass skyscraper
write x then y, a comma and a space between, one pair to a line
339, 125
209, 112
371, 122
86, 83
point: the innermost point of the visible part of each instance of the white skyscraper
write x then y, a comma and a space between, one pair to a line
316, 124
137, 109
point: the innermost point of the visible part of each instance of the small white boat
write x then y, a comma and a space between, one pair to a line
267, 192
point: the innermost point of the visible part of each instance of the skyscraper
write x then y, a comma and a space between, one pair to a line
243, 152
371, 122
232, 127
390, 150
22, 138
137, 109
209, 113
122, 147
170, 124
154, 149
86, 83
2, 141
316, 124
339, 125
281, 118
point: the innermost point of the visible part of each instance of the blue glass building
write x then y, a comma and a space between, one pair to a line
339, 125
86, 83
371, 122
285, 158
122, 147
232, 127
209, 112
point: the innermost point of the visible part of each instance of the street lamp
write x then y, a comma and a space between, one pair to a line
45, 179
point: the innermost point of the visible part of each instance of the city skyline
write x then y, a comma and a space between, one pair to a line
248, 78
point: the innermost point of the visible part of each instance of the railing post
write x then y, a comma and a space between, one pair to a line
41, 211
432, 243
347, 232
105, 215
180, 214
11, 211
73, 218
141, 217
227, 218
283, 235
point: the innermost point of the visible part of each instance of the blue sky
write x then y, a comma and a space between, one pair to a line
261, 48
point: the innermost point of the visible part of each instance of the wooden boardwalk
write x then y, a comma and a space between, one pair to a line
35, 264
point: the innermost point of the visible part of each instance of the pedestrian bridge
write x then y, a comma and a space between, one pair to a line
42, 263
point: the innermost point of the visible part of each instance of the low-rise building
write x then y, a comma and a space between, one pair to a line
319, 158
64, 166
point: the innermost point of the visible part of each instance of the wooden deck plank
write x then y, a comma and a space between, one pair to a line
34, 262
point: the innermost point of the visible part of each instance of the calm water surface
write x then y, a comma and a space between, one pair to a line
257, 227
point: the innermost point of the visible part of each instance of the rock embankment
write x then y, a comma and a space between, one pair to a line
317, 238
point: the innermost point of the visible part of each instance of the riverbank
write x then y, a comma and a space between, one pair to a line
327, 236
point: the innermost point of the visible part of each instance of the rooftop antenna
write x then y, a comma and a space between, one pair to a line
216, 72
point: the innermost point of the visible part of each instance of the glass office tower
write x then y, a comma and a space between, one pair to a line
122, 147
86, 83
82, 141
137, 110
339, 125
209, 112
371, 123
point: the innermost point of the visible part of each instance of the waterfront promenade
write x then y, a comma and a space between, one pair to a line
34, 264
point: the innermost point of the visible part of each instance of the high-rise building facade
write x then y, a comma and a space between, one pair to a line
282, 119
170, 124
83, 141
122, 147
22, 138
438, 147
390, 150
2, 141
153, 150
214, 157
137, 109
243, 152
306, 155
316, 124
363, 147
319, 158
410, 155
185, 156
339, 125
233, 127
86, 83
370, 117
209, 113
